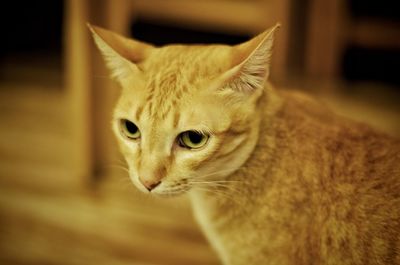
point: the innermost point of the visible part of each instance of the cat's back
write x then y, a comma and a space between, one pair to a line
315, 123
355, 182
355, 151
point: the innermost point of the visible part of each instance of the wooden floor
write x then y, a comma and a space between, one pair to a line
109, 223
108, 226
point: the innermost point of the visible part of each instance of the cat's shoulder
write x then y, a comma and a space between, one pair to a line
304, 110
300, 109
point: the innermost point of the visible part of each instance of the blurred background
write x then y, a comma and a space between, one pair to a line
64, 195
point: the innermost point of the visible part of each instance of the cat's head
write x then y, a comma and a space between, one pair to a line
187, 115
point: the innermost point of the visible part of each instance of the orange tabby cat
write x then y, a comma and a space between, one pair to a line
274, 177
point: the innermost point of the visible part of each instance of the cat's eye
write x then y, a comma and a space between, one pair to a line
192, 139
129, 129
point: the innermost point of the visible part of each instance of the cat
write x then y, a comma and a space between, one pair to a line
274, 177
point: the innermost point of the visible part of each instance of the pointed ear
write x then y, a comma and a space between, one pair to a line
251, 61
121, 54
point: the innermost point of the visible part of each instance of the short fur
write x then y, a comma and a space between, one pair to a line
281, 180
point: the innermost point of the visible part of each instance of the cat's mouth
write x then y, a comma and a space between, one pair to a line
172, 190
165, 188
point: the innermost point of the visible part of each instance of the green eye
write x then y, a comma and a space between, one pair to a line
192, 139
129, 129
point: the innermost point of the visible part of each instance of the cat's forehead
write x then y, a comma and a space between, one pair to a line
188, 60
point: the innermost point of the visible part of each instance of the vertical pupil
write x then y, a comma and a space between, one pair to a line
130, 127
195, 137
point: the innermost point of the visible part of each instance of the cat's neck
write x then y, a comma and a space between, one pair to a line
264, 151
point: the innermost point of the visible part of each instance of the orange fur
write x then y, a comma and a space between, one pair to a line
281, 180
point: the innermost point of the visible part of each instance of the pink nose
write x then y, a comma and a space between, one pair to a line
150, 184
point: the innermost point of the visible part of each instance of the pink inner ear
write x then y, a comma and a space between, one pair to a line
246, 79
252, 60
250, 74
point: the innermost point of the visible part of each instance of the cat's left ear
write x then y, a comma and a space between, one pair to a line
251, 63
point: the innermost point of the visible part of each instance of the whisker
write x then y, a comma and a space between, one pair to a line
125, 169
216, 181
174, 191
216, 173
124, 184
218, 192
119, 161
226, 186
212, 185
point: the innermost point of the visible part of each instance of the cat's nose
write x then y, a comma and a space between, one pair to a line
150, 185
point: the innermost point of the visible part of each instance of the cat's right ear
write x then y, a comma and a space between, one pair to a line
120, 54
